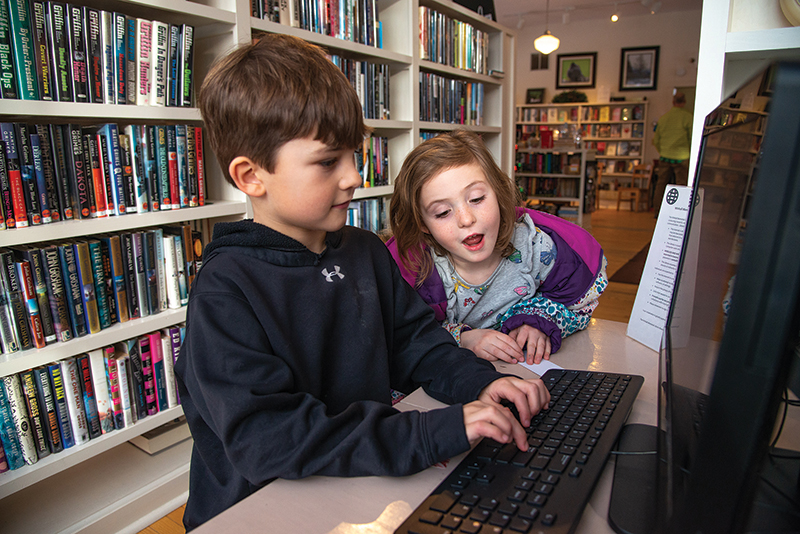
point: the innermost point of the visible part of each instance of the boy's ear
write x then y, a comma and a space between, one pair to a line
247, 175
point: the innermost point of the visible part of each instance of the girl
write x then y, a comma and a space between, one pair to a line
504, 280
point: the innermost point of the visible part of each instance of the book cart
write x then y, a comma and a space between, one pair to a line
109, 485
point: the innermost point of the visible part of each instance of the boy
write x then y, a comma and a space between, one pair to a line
298, 327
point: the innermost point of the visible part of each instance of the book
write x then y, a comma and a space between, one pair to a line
134, 134
147, 373
187, 65
103, 389
89, 398
159, 373
141, 273
110, 133
60, 51
143, 61
18, 411
74, 396
151, 274
201, 169
173, 63
76, 35
126, 401
166, 435
8, 435
149, 145
169, 368
175, 342
172, 160
99, 280
183, 269
42, 49
33, 255
8, 327
26, 165
31, 302
91, 156
108, 48
108, 277
128, 179
159, 63
130, 349
88, 295
162, 166
42, 190
6, 202
23, 45
130, 60
79, 175
120, 26
14, 172
94, 55
55, 194
73, 289
131, 281
16, 299
35, 414
8, 77
191, 166
158, 242
112, 255
183, 178
60, 399
44, 392
171, 272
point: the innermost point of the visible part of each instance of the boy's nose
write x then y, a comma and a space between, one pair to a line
350, 178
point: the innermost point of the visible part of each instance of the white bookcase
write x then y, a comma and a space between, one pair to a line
107, 484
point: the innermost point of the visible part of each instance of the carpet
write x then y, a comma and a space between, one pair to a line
631, 272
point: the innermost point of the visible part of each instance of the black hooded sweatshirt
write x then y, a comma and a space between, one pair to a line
289, 359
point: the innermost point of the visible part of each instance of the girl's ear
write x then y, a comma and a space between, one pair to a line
248, 176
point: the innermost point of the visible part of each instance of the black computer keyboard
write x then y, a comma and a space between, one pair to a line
497, 488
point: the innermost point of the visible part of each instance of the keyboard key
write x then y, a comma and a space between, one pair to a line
443, 502
472, 527
549, 519
520, 525
422, 528
431, 517
451, 522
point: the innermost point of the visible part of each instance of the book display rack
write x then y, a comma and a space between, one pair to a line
106, 484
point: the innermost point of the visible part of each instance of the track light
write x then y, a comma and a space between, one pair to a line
655, 7
547, 42
615, 15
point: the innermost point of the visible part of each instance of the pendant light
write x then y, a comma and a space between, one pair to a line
547, 42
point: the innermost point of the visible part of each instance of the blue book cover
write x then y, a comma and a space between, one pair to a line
99, 279
130, 58
72, 284
148, 143
173, 64
162, 166
120, 58
29, 188
183, 162
89, 400
133, 132
41, 183
60, 398
8, 435
111, 133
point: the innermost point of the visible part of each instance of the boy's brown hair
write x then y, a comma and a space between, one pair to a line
273, 90
429, 159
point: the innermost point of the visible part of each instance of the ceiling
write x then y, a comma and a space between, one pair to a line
531, 13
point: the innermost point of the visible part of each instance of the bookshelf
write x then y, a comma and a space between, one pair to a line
107, 484
617, 131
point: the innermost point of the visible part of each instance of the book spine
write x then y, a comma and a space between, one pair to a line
94, 55
111, 134
74, 395
131, 45
60, 51
78, 173
72, 284
8, 435
19, 415
129, 266
16, 300
172, 159
134, 134
41, 181
77, 48
188, 256
159, 63
56, 293
99, 280
111, 382
105, 166
191, 166
26, 166
162, 166
6, 202
89, 398
120, 58
136, 372
42, 46
128, 181
149, 146
143, 60
108, 277
31, 303
24, 49
141, 274
44, 392
38, 277
91, 151
88, 296
173, 64
35, 413
147, 372
159, 376
183, 282
173, 290
201, 167
151, 274
169, 369
49, 169
60, 400
125, 393
175, 342
183, 179
117, 267
108, 47
161, 277
187, 65
8, 328
8, 78
14, 174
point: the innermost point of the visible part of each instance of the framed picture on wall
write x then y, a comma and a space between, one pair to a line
576, 70
638, 69
534, 96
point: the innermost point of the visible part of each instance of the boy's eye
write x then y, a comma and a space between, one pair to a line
328, 162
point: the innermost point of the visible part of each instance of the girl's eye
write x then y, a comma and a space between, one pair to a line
441, 215
478, 200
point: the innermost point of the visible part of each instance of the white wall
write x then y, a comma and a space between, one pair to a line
678, 35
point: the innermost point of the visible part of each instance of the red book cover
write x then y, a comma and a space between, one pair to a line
159, 377
147, 371
31, 302
201, 170
96, 169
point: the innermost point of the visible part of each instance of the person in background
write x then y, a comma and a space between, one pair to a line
673, 140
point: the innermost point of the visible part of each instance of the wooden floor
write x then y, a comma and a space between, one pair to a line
621, 234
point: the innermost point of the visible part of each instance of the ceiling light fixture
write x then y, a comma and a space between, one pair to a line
655, 7
547, 42
615, 15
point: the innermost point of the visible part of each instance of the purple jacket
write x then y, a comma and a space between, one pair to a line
578, 263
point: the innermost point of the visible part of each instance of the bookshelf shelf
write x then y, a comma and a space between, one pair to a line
83, 112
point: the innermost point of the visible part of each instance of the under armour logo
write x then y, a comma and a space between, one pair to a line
329, 276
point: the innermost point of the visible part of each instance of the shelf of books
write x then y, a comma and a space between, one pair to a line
616, 131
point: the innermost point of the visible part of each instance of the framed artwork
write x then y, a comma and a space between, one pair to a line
638, 69
576, 71
534, 96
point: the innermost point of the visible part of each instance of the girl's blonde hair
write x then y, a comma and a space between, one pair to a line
441, 153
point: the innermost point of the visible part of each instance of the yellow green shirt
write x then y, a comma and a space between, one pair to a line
673, 136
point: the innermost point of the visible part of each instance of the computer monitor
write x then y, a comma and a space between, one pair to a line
730, 348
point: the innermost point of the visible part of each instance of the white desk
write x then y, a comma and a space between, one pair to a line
377, 505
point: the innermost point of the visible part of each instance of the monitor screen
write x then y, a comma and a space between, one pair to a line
732, 330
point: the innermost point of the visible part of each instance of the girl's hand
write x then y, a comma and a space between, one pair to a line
534, 340
492, 345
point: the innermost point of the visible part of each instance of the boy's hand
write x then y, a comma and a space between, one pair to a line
492, 345
487, 417
534, 340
